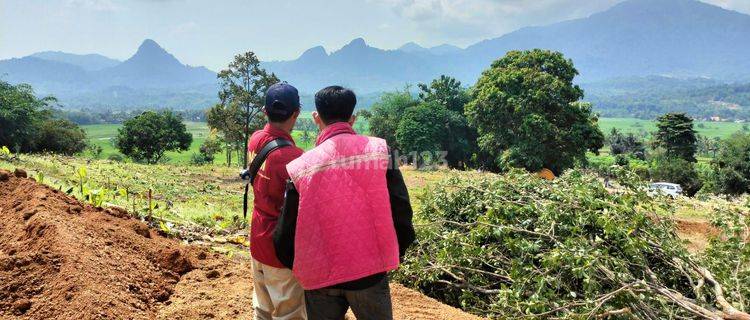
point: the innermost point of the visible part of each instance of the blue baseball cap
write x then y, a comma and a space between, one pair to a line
282, 99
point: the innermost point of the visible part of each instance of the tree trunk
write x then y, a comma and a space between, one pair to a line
229, 156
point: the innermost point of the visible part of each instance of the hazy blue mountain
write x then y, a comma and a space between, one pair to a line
152, 77
413, 47
677, 39
46, 76
636, 38
89, 62
357, 65
153, 67
444, 49
685, 38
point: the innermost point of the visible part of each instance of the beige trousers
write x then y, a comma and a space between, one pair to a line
276, 294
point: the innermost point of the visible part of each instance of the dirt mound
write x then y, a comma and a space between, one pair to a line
696, 232
66, 260
62, 259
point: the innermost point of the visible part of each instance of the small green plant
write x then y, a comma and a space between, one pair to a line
81, 172
5, 153
39, 177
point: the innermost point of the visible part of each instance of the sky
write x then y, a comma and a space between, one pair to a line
209, 33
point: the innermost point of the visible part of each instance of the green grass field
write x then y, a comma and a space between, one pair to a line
709, 129
102, 134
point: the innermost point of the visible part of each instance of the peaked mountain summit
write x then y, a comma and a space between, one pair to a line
153, 67
152, 77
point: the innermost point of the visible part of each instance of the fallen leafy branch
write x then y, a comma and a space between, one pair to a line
513, 245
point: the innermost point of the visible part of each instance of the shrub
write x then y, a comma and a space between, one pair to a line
515, 246
61, 136
199, 159
116, 157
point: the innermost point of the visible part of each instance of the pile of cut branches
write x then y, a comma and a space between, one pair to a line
515, 246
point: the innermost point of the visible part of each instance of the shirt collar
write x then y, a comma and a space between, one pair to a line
277, 133
334, 129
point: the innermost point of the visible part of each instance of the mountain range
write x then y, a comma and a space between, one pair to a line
636, 38
152, 77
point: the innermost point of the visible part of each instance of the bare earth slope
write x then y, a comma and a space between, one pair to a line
61, 259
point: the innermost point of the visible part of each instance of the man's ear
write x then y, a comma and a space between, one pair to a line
318, 121
352, 120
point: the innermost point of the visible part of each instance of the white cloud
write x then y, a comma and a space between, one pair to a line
737, 5
465, 21
469, 20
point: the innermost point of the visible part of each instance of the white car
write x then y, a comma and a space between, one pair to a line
666, 188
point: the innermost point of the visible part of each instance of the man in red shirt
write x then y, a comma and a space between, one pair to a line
277, 294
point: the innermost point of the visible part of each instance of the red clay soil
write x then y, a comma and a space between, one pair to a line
61, 259
696, 232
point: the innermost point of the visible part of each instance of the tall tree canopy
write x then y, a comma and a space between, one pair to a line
27, 123
386, 114
148, 136
446, 91
676, 136
527, 113
422, 129
733, 165
243, 87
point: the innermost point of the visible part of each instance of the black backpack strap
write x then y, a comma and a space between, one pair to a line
252, 169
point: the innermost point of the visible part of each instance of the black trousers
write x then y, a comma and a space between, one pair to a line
373, 303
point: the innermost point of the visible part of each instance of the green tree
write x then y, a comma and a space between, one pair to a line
676, 136
27, 123
243, 87
210, 147
626, 144
732, 165
422, 129
446, 91
385, 115
21, 114
148, 136
527, 113
62, 136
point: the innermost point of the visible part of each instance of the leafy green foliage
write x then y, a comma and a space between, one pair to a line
728, 255
677, 170
385, 115
146, 137
528, 115
28, 124
243, 87
62, 136
445, 91
676, 136
626, 144
514, 245
210, 147
732, 165
423, 129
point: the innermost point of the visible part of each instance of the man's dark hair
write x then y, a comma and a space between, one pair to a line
278, 116
335, 104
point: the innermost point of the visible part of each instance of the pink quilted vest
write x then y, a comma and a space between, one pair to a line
344, 226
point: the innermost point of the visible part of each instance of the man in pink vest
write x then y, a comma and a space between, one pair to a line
346, 218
